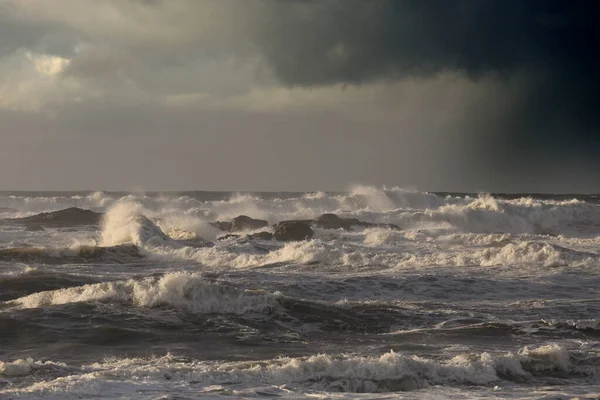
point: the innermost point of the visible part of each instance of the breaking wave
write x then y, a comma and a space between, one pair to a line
127, 222
390, 372
409, 209
184, 291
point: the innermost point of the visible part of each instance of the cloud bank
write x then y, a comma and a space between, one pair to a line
297, 95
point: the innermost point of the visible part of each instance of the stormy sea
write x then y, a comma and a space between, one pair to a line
374, 293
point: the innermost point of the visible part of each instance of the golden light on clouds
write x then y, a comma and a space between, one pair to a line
48, 65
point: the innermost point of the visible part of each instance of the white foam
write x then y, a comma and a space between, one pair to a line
389, 372
20, 367
244, 255
546, 358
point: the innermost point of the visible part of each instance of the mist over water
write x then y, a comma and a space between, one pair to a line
433, 296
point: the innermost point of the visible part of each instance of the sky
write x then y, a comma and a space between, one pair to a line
456, 95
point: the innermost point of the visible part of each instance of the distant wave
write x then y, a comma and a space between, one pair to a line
407, 208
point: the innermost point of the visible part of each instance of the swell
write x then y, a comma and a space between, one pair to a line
33, 281
78, 254
193, 294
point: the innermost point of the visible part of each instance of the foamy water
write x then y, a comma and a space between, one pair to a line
475, 296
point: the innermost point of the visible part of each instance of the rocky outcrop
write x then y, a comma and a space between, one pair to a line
221, 225
264, 235
245, 223
332, 221
294, 229
63, 218
290, 231
240, 223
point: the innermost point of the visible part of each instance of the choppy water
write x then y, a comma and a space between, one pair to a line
476, 296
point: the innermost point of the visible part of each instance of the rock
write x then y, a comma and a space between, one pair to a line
221, 225
261, 236
332, 221
228, 236
288, 231
63, 218
245, 223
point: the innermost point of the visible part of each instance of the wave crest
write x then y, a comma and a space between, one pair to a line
390, 372
189, 292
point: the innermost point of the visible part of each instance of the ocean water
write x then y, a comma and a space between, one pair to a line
474, 297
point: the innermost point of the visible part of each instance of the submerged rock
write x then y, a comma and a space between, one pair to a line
261, 236
289, 231
332, 221
221, 225
62, 218
245, 223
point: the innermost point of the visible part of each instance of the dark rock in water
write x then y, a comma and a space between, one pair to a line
228, 236
221, 225
308, 222
261, 236
289, 231
68, 217
332, 221
245, 223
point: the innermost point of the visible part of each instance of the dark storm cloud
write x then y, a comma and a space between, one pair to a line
552, 46
354, 41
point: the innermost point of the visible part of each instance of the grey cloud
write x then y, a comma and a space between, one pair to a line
525, 78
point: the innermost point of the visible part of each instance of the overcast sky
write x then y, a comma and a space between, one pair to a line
463, 95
